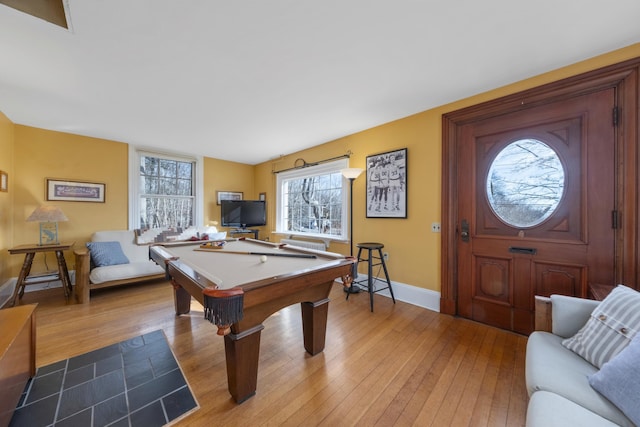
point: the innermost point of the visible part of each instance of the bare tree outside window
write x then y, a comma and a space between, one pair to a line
310, 201
166, 193
525, 183
314, 204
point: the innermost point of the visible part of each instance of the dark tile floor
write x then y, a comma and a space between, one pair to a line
133, 383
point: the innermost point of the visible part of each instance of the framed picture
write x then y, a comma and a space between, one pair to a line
387, 185
229, 195
262, 197
75, 191
4, 181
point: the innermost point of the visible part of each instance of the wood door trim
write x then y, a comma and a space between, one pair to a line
624, 78
629, 179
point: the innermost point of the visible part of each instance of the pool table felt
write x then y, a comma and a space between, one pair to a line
229, 269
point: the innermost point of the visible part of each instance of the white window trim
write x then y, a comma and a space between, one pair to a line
134, 183
321, 169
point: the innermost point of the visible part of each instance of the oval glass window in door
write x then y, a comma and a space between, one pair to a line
525, 183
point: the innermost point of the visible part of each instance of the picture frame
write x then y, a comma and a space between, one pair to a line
63, 190
262, 197
4, 181
229, 195
387, 184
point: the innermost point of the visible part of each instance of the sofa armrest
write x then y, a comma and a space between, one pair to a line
83, 267
562, 315
569, 314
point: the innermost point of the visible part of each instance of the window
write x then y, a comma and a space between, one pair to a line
163, 191
312, 201
525, 183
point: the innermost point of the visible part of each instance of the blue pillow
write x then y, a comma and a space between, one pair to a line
107, 253
619, 380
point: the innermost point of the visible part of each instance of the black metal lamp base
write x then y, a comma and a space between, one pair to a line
352, 289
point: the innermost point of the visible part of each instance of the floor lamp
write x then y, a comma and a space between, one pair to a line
351, 174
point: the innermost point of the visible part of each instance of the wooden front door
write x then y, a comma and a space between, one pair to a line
513, 240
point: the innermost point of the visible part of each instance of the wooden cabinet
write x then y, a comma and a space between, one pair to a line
17, 356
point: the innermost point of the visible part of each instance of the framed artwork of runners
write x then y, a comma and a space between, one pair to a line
387, 184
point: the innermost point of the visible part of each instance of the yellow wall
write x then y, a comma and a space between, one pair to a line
38, 154
41, 154
414, 251
221, 175
6, 204
30, 155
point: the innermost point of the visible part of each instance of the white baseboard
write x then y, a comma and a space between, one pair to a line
414, 295
7, 288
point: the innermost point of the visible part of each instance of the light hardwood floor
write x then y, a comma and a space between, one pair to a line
399, 366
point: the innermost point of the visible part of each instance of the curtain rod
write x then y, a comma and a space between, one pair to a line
306, 165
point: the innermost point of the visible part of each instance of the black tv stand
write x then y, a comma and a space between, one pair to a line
245, 231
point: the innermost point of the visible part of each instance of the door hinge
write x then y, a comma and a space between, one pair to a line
616, 116
616, 219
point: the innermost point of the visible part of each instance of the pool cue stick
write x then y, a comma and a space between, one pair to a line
223, 251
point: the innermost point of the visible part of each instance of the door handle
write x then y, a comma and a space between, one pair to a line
464, 231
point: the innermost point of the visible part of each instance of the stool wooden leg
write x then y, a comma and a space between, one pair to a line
386, 275
370, 279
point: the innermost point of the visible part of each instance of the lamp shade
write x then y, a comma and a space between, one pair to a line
351, 173
47, 213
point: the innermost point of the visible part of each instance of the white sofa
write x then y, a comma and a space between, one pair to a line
137, 266
557, 379
140, 267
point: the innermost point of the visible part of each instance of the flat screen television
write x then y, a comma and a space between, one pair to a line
243, 213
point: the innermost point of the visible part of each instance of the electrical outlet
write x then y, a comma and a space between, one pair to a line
385, 256
435, 227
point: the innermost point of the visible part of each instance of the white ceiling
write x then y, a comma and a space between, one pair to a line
250, 80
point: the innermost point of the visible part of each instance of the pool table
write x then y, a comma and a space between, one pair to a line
264, 277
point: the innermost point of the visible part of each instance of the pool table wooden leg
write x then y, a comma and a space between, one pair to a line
314, 325
181, 298
242, 351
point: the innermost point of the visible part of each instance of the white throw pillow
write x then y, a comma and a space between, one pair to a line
610, 328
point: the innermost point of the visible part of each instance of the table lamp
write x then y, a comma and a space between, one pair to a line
48, 217
351, 174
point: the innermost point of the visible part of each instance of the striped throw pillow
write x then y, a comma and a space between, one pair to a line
612, 325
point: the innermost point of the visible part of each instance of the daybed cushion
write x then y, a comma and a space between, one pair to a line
554, 368
552, 410
124, 271
610, 328
619, 380
139, 263
106, 253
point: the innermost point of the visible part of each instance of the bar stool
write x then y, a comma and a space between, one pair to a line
373, 260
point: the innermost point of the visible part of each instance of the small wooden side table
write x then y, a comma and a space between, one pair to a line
24, 278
